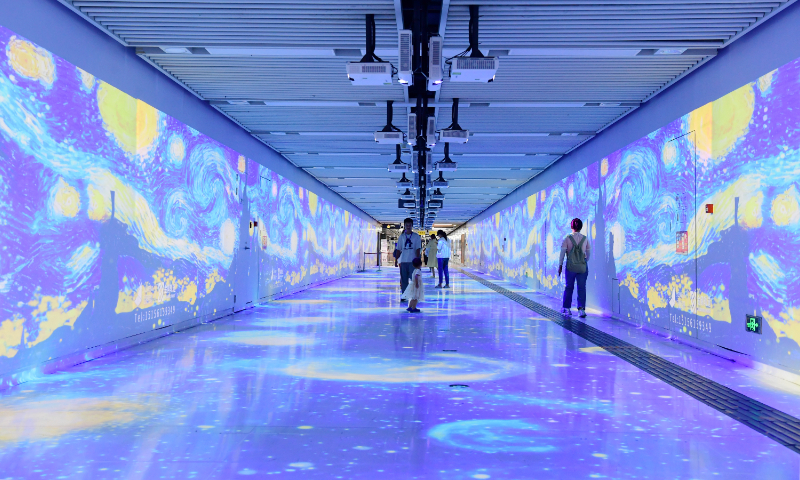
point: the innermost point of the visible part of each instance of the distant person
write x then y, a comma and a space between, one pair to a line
576, 248
443, 258
396, 254
410, 245
415, 292
431, 254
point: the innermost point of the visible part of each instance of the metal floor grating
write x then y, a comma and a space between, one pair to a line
773, 423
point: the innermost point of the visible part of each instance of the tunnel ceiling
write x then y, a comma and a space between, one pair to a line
567, 71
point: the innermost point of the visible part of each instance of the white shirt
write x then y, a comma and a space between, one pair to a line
408, 246
443, 248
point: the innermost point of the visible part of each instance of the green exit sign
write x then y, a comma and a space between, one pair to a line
753, 324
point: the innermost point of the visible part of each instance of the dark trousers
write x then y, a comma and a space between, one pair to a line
406, 270
570, 287
444, 268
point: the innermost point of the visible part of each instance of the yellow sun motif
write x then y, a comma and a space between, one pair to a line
99, 205
66, 200
785, 210
146, 127
31, 61
118, 110
531, 205
751, 213
719, 124
312, 203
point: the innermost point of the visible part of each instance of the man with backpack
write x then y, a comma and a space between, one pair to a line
576, 248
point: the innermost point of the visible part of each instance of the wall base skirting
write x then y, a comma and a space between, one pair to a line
706, 347
17, 377
713, 349
13, 378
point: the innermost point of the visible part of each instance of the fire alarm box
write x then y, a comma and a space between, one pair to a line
709, 208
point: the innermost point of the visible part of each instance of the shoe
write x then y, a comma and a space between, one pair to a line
409, 310
416, 310
403, 300
438, 286
566, 311
582, 312
446, 286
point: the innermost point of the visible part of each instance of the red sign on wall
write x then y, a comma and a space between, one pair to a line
682, 243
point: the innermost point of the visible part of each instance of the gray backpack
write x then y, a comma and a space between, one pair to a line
576, 260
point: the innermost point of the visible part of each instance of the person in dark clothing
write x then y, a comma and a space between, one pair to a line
576, 249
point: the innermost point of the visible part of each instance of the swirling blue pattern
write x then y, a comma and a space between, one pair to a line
116, 218
741, 156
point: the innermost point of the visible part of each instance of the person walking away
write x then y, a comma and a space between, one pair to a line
443, 258
576, 248
410, 245
432, 253
415, 292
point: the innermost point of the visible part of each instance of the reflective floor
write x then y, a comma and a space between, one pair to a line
340, 382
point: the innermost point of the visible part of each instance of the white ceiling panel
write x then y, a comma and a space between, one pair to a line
282, 65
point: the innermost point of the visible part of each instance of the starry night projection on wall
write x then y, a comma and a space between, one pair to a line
693, 226
116, 219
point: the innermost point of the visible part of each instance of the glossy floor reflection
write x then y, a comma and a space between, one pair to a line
340, 382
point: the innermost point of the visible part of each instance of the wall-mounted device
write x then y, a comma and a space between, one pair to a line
398, 165
454, 136
435, 64
430, 132
389, 137
405, 69
440, 182
437, 195
407, 195
412, 129
454, 133
371, 70
389, 134
446, 165
395, 167
476, 67
406, 203
475, 70
404, 182
369, 74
